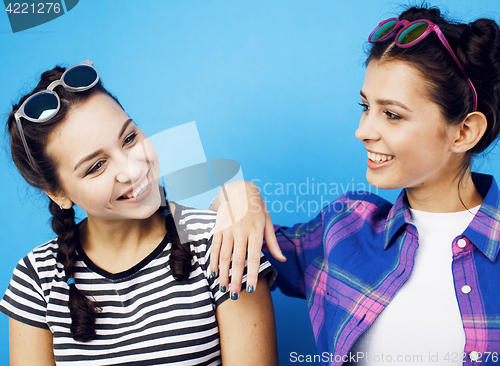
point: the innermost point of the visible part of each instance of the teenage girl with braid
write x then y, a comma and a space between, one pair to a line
416, 282
131, 283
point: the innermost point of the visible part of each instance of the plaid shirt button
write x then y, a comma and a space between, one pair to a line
474, 356
466, 289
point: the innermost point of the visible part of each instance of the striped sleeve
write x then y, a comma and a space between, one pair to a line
24, 300
199, 225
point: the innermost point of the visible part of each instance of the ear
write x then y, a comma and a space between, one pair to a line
470, 131
62, 201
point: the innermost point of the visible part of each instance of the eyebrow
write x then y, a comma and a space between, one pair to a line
125, 125
386, 102
100, 151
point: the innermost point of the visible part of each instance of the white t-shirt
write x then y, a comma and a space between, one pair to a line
422, 324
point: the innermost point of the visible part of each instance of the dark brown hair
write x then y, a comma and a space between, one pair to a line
477, 46
44, 176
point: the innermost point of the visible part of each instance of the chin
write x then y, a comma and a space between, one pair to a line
144, 212
146, 215
381, 182
153, 202
147, 208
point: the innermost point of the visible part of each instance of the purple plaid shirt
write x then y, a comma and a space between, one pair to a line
352, 258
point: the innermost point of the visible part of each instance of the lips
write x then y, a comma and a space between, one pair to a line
138, 191
378, 161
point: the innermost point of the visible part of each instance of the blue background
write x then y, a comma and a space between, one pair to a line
272, 84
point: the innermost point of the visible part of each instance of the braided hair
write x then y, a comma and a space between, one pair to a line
44, 176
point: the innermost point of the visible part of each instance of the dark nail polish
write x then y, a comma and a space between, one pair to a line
250, 289
234, 296
212, 275
223, 289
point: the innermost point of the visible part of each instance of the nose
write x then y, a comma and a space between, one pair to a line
129, 170
367, 129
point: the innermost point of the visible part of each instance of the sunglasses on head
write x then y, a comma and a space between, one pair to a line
44, 105
412, 33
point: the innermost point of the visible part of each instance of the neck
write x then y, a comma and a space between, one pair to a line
106, 236
453, 195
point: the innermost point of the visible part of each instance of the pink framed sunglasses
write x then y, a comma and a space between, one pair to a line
411, 34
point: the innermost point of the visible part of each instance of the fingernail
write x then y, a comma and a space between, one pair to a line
250, 289
234, 296
212, 275
223, 289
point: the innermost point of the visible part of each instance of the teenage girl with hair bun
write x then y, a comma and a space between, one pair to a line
416, 282
119, 287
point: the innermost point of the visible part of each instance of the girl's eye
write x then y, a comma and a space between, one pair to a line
130, 138
391, 115
365, 106
96, 167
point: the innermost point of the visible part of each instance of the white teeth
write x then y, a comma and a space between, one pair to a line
139, 191
379, 158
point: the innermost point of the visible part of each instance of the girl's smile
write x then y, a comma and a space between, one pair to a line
407, 140
378, 160
139, 192
106, 164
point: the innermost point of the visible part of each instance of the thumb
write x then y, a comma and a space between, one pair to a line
272, 242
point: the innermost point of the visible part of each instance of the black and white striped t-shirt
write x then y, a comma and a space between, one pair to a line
147, 317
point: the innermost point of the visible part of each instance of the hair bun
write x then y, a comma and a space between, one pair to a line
480, 43
480, 48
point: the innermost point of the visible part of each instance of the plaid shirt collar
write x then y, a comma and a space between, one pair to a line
484, 229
